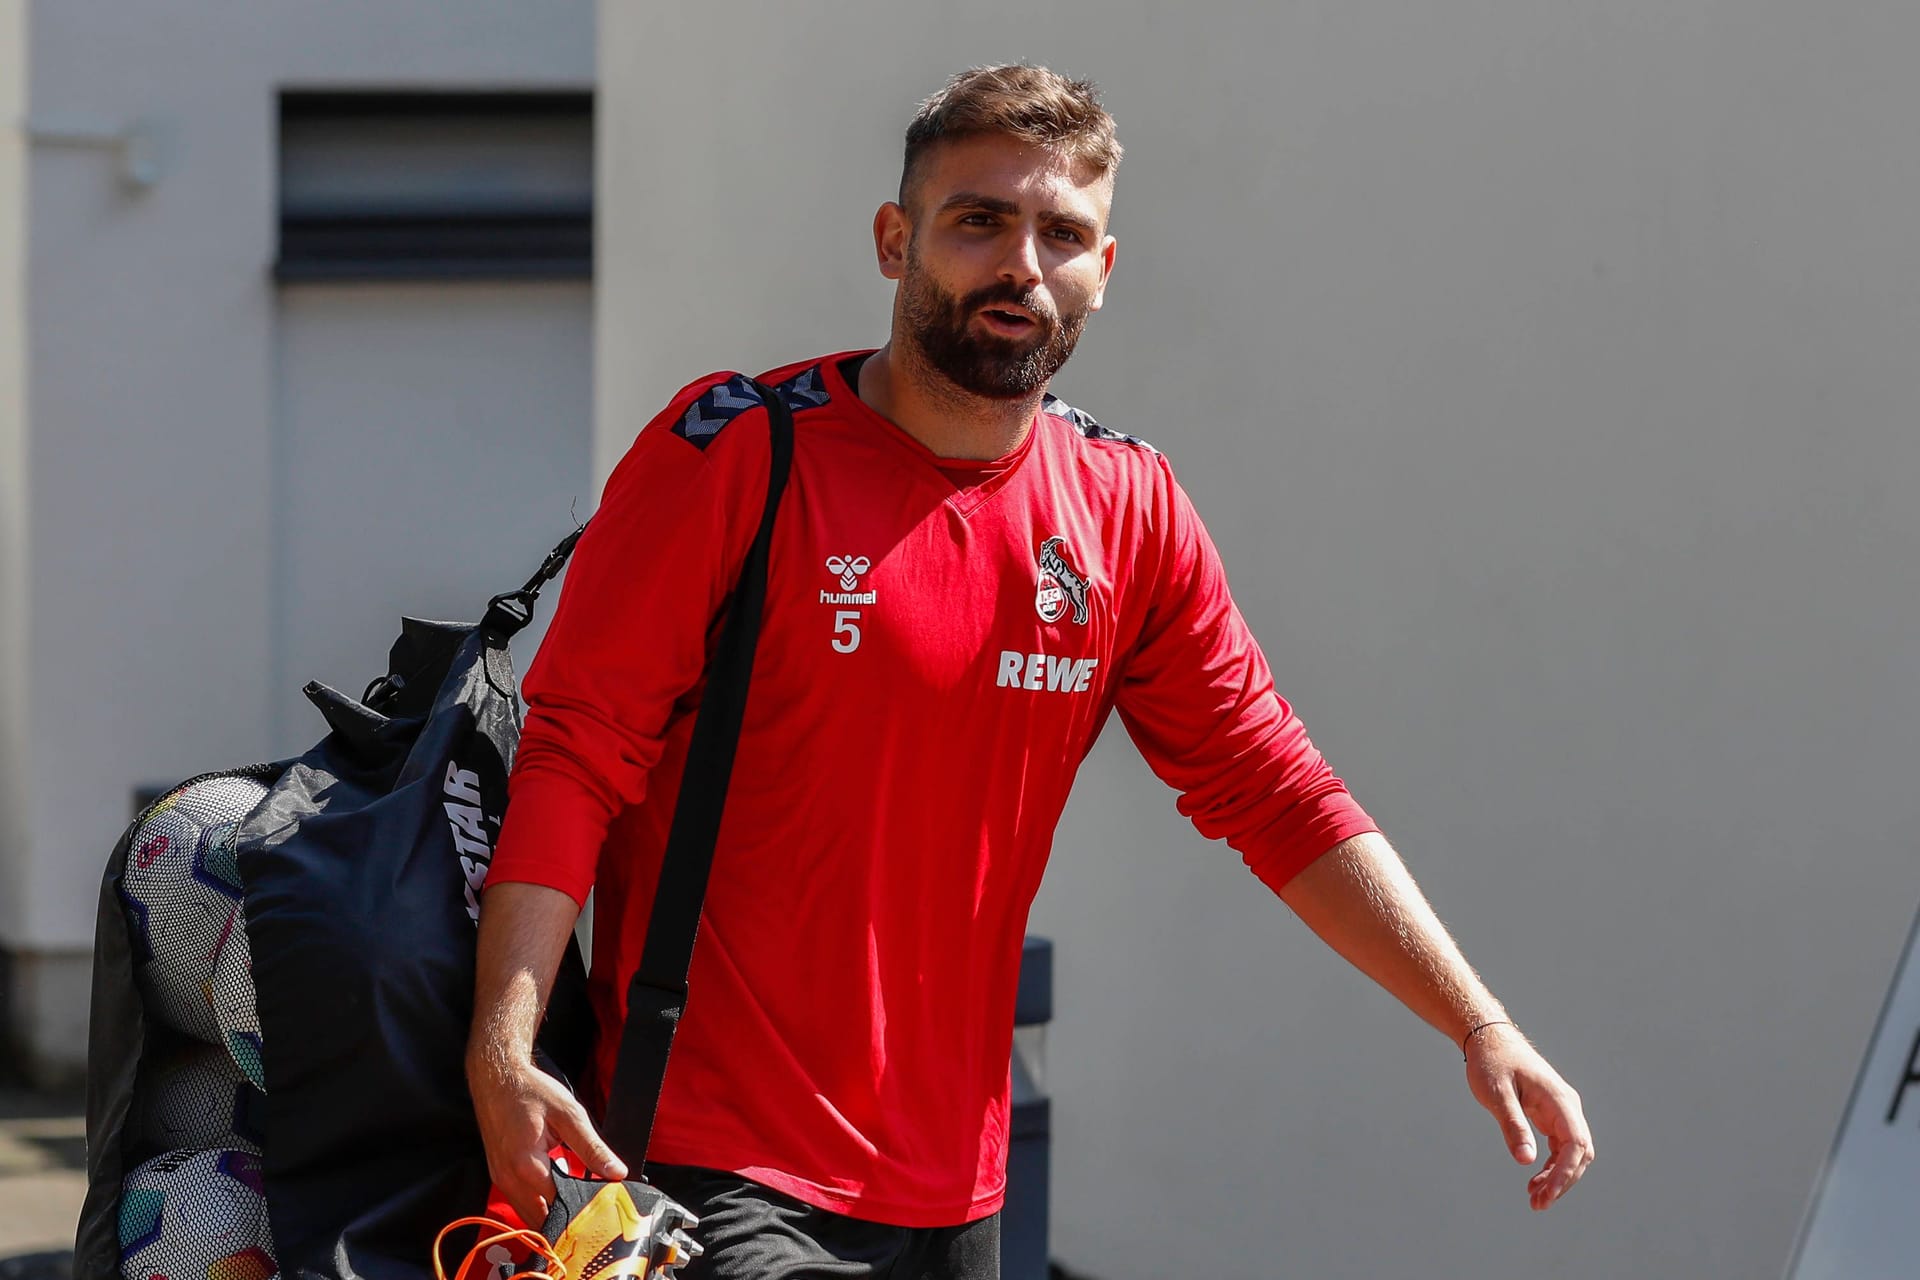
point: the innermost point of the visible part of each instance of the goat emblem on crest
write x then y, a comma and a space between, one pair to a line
1060, 584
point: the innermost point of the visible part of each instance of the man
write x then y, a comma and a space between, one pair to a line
967, 576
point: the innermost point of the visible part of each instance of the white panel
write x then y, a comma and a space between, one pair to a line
1862, 1222
431, 444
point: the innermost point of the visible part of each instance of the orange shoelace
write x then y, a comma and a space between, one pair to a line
477, 1266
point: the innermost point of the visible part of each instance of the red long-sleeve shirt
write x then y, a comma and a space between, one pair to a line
941, 644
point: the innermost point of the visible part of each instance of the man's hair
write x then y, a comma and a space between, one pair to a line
1032, 104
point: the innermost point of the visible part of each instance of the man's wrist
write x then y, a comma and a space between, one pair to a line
496, 1056
1484, 1030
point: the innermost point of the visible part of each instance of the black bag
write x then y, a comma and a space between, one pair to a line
361, 868
361, 871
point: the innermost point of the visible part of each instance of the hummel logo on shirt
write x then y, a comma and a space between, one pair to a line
849, 568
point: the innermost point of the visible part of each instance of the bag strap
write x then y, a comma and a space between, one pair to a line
510, 611
657, 995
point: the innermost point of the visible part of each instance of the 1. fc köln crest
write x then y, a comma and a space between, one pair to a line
1060, 584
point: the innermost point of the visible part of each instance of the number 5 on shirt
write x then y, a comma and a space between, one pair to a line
846, 630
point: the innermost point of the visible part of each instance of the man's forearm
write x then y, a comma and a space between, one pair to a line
1361, 900
523, 933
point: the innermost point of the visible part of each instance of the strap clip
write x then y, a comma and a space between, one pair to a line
509, 611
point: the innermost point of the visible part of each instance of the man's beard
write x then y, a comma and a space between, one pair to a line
939, 326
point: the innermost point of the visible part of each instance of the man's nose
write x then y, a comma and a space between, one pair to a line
1021, 263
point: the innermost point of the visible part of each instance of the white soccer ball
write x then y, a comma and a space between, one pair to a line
182, 893
188, 1214
234, 1010
194, 1095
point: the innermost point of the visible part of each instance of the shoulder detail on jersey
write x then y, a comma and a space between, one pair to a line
715, 407
727, 399
805, 390
1089, 426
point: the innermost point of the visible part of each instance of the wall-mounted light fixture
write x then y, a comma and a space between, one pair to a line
141, 146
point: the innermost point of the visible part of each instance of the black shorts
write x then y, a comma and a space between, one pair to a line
752, 1232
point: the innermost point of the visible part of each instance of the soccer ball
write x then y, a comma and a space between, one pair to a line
234, 1011
190, 1095
182, 894
188, 1214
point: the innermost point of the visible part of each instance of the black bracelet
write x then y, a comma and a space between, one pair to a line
1497, 1022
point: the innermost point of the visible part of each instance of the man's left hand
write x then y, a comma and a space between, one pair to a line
1513, 1082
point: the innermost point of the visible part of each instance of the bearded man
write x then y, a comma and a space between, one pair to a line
968, 575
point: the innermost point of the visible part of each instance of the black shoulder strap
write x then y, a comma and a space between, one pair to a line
658, 994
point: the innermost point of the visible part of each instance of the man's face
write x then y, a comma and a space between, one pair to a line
1001, 256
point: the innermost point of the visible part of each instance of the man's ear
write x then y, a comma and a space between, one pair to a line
891, 234
1106, 272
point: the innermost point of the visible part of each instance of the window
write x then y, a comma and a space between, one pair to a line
425, 186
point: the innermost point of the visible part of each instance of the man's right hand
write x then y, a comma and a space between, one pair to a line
524, 1113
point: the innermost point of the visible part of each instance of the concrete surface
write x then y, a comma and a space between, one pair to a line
42, 1182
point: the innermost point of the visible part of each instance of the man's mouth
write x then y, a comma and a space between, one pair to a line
1008, 321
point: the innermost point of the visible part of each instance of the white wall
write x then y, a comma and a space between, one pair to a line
151, 346
434, 439
1545, 374
13, 457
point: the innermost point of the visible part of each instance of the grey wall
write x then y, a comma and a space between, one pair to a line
1545, 373
152, 348
13, 454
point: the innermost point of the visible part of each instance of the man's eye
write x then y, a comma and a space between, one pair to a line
1068, 234
977, 220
